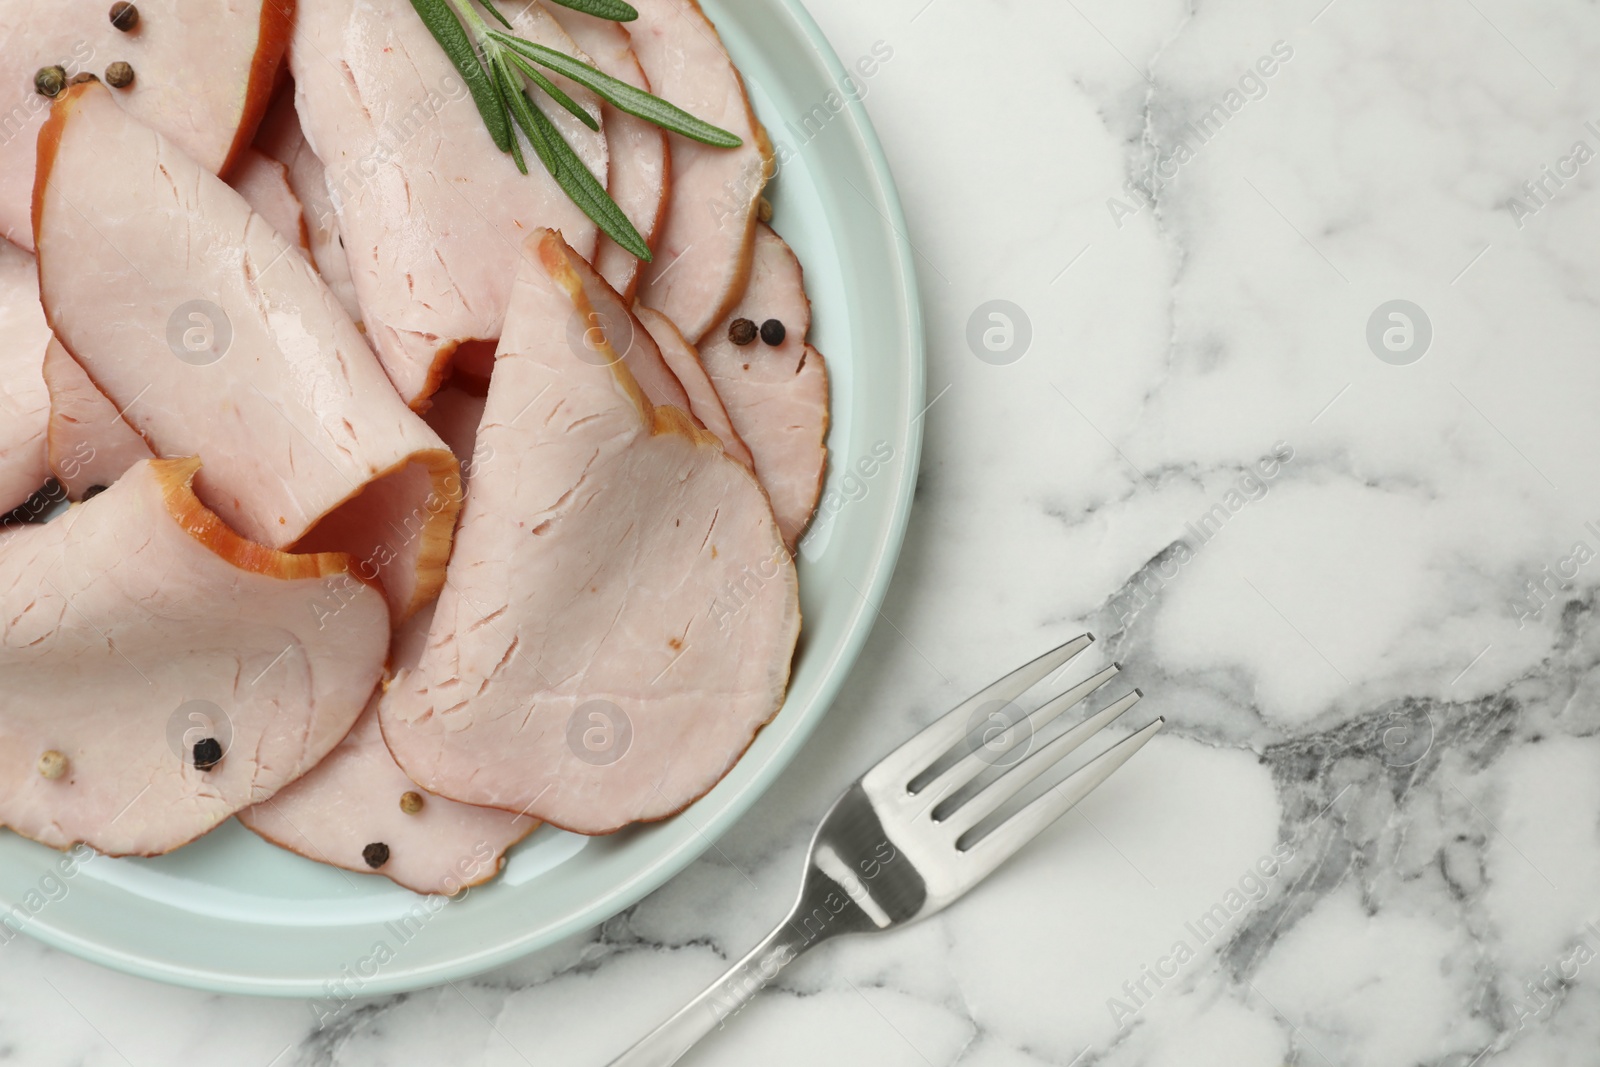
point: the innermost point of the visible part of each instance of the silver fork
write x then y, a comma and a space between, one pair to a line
896, 846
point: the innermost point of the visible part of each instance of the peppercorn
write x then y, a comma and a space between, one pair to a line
773, 333
741, 332
207, 753
124, 16
50, 80
93, 491
410, 803
52, 765
119, 75
376, 854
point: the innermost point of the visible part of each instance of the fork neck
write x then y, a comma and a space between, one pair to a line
823, 912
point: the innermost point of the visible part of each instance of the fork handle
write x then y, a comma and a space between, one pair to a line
723, 999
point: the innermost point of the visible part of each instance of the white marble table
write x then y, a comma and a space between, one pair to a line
1371, 834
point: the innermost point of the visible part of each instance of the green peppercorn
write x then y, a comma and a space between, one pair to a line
52, 765
741, 332
410, 803
119, 75
50, 80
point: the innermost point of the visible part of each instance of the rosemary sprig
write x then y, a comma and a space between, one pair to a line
493, 64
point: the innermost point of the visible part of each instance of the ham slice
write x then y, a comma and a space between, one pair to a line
432, 214
281, 138
704, 403
641, 159
776, 396
264, 184
24, 400
91, 444
703, 256
138, 629
170, 291
353, 801
203, 72
621, 612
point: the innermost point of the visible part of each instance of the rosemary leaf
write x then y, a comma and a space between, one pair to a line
521, 110
626, 97
505, 110
571, 174
615, 10
516, 154
590, 195
553, 90
441, 22
495, 11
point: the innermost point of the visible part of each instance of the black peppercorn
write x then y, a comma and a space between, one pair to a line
124, 16
207, 753
376, 854
50, 80
119, 75
773, 333
741, 332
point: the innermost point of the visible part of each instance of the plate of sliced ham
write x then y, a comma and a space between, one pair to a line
399, 573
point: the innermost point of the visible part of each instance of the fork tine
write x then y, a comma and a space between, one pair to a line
998, 846
994, 795
974, 763
915, 755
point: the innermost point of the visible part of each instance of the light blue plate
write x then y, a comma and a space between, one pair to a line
231, 913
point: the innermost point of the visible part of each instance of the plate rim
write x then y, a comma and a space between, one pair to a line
727, 810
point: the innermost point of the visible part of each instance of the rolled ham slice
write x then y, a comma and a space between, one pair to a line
91, 444
703, 256
264, 184
203, 73
24, 399
161, 673
358, 810
610, 329
281, 138
433, 215
215, 338
621, 612
777, 396
641, 159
